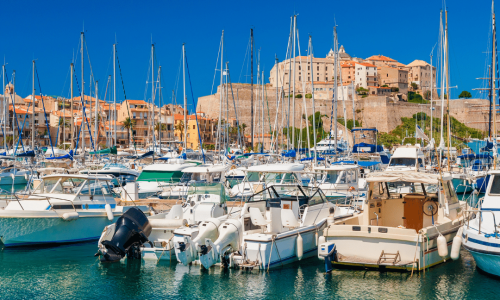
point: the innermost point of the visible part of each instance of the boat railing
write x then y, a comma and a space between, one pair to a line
480, 211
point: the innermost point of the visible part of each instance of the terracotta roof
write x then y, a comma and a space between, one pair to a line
380, 58
136, 102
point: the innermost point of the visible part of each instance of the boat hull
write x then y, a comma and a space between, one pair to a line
461, 186
487, 262
27, 231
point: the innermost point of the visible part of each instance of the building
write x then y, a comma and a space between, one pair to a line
197, 126
395, 78
366, 75
381, 60
322, 69
420, 72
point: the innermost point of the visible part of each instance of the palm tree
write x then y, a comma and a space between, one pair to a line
157, 128
62, 123
128, 124
180, 127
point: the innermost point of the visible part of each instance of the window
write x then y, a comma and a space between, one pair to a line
308, 68
317, 68
145, 132
308, 78
299, 78
300, 68
317, 79
194, 126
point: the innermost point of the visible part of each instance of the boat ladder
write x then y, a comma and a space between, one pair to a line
387, 257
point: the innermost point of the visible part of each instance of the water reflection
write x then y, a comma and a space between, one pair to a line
72, 271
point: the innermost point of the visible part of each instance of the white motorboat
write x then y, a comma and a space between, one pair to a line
61, 209
411, 229
339, 181
407, 158
13, 176
121, 172
481, 236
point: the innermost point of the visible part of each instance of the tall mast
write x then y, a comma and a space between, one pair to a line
5, 119
151, 117
159, 117
251, 88
33, 110
184, 92
293, 87
96, 115
441, 141
493, 86
335, 89
114, 95
14, 110
432, 87
83, 104
72, 129
313, 105
448, 88
221, 92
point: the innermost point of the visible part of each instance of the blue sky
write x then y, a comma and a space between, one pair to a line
49, 31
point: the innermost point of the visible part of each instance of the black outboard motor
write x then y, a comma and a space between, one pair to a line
132, 231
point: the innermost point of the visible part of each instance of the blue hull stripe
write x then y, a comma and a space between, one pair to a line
484, 243
52, 242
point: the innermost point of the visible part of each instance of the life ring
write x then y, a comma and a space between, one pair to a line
351, 189
233, 167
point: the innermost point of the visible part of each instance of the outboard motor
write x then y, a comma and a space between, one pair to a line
132, 230
185, 250
230, 236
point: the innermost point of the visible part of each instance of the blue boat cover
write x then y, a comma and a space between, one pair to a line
373, 148
30, 153
66, 156
476, 156
364, 129
290, 153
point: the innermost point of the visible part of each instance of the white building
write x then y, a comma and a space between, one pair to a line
366, 75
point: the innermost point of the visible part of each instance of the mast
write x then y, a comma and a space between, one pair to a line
5, 119
159, 117
448, 88
96, 115
493, 87
152, 117
114, 95
313, 105
83, 105
71, 99
14, 112
335, 88
251, 88
184, 91
293, 87
221, 91
33, 110
432, 86
441, 141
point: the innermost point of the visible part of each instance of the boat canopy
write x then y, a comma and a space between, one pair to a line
364, 129
417, 177
367, 148
202, 188
206, 169
476, 156
66, 156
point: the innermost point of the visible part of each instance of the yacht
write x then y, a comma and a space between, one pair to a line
61, 209
481, 236
407, 158
339, 180
410, 229
122, 173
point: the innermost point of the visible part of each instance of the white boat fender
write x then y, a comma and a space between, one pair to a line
321, 241
316, 239
442, 246
455, 246
70, 216
300, 246
109, 212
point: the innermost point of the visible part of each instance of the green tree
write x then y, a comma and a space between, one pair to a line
427, 95
309, 96
414, 86
465, 94
180, 127
128, 124
298, 96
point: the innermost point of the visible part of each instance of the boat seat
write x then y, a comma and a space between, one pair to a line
175, 212
257, 217
288, 219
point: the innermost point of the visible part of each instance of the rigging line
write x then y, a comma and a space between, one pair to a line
125, 99
84, 115
65, 81
234, 104
216, 63
44, 112
195, 114
16, 121
245, 60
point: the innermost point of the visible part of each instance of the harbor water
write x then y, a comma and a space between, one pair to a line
72, 272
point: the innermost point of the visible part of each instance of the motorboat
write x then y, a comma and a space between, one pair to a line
61, 209
339, 180
410, 229
407, 158
122, 173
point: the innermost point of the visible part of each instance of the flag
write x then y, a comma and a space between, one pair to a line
420, 133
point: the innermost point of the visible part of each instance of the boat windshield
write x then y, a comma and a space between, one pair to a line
201, 188
402, 161
290, 178
163, 176
378, 190
114, 165
59, 185
273, 177
253, 176
332, 176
